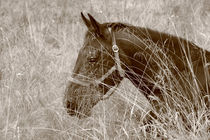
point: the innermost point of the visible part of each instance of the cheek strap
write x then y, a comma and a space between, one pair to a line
115, 49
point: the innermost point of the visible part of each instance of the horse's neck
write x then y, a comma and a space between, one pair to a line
132, 44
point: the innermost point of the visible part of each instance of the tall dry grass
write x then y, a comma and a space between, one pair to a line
39, 43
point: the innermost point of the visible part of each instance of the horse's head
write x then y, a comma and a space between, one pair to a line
96, 69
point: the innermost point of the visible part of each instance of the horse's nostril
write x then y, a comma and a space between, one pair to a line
71, 112
71, 108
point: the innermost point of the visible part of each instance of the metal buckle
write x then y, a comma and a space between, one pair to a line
115, 48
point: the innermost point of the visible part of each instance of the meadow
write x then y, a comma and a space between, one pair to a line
39, 44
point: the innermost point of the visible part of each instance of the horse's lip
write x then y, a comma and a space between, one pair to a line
83, 116
79, 114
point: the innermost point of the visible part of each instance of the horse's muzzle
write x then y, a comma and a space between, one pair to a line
71, 108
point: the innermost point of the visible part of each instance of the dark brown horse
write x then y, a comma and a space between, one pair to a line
156, 63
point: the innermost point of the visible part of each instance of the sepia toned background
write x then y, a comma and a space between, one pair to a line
39, 43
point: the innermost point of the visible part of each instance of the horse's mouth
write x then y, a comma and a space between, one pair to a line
78, 112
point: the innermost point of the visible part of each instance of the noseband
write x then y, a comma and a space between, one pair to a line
117, 67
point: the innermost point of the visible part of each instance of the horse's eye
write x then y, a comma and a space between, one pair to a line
92, 59
93, 55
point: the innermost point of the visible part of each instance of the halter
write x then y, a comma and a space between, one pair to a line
117, 67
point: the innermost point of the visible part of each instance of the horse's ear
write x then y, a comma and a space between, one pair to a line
96, 25
85, 20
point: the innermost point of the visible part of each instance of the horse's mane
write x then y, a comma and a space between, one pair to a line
155, 36
144, 33
141, 32
118, 26
147, 33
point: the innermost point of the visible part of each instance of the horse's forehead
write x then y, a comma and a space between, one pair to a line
90, 44
89, 36
88, 49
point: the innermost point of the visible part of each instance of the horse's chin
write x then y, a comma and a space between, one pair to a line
79, 114
85, 113
83, 102
84, 116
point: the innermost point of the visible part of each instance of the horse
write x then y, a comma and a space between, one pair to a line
156, 63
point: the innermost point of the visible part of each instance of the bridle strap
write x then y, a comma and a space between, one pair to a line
115, 49
94, 82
